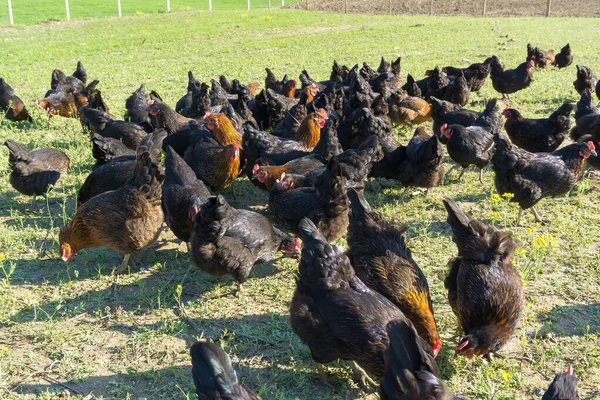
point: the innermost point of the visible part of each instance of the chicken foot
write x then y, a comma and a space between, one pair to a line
364, 377
537, 216
240, 290
119, 271
481, 175
459, 176
123, 265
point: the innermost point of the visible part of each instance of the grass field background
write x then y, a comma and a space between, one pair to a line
59, 317
30, 12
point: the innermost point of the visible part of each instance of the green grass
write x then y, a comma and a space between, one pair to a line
30, 12
60, 316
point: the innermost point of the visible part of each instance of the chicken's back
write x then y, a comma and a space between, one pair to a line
334, 312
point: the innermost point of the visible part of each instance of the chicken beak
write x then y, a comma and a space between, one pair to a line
593, 152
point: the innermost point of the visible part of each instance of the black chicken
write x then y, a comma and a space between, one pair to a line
484, 288
227, 241
325, 203
564, 58
182, 195
34, 172
563, 387
533, 176
473, 145
511, 80
333, 312
585, 79
11, 104
116, 172
541, 134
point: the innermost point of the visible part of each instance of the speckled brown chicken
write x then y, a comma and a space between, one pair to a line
124, 220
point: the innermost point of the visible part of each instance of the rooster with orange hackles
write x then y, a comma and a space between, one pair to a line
378, 253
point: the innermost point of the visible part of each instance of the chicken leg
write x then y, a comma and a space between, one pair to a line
124, 264
481, 175
240, 290
459, 176
404, 194
537, 216
364, 377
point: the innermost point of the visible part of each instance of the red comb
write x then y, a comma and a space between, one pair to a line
205, 117
443, 128
570, 370
149, 103
235, 146
505, 109
255, 169
591, 145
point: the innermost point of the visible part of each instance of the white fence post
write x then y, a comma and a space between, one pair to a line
10, 16
248, 4
269, 4
119, 7
209, 5
283, 2
168, 5
68, 13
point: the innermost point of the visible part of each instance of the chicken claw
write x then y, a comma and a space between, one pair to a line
363, 376
124, 265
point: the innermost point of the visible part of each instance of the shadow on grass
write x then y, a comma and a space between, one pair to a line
14, 203
176, 382
572, 320
137, 293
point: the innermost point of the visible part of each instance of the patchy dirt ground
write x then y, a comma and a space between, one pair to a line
572, 8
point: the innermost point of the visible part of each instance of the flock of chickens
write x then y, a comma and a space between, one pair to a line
369, 305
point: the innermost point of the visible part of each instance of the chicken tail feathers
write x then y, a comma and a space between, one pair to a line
358, 204
331, 186
17, 152
405, 348
475, 240
153, 143
563, 110
80, 73
309, 233
212, 369
504, 157
147, 177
